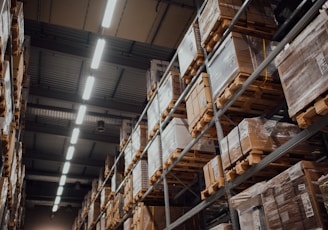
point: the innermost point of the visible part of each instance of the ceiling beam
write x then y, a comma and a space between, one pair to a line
54, 177
33, 155
77, 99
67, 132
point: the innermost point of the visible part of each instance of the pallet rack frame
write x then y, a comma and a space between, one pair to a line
280, 151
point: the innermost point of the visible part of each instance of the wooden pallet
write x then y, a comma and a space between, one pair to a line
128, 169
156, 176
151, 134
313, 112
259, 98
192, 162
151, 91
200, 125
250, 28
122, 145
212, 188
180, 112
193, 68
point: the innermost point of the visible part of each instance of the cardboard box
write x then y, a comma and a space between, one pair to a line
199, 100
223, 226
255, 134
170, 90
213, 171
128, 193
323, 185
109, 162
154, 154
189, 49
290, 199
18, 27
128, 156
105, 196
303, 67
116, 181
93, 213
153, 115
5, 22
259, 12
140, 177
127, 224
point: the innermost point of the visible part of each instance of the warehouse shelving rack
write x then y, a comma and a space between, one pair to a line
280, 151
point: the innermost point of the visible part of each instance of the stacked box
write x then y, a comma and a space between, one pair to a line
128, 194
125, 131
101, 224
109, 215
94, 188
254, 134
139, 139
176, 136
154, 157
223, 226
127, 224
128, 156
85, 205
146, 217
170, 91
140, 178
105, 195
5, 21
290, 199
157, 69
199, 100
323, 185
215, 11
108, 165
5, 95
303, 67
153, 116
213, 172
93, 213
189, 51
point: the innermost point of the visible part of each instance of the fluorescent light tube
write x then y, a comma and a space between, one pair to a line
55, 208
80, 114
70, 153
60, 190
98, 53
57, 200
62, 180
108, 15
75, 135
88, 88
66, 167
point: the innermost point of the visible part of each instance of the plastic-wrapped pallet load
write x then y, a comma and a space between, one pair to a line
154, 159
140, 178
3, 194
248, 203
139, 139
323, 185
290, 200
5, 21
170, 91
127, 224
254, 136
153, 116
93, 213
190, 54
128, 156
303, 69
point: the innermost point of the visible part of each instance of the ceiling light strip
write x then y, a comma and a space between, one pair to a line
109, 12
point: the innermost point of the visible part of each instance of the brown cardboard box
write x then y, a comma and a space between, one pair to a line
323, 185
93, 213
223, 226
290, 199
303, 67
213, 171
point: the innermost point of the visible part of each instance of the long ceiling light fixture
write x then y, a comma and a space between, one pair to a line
80, 114
70, 153
60, 190
88, 88
66, 167
62, 181
75, 135
55, 208
98, 53
109, 12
